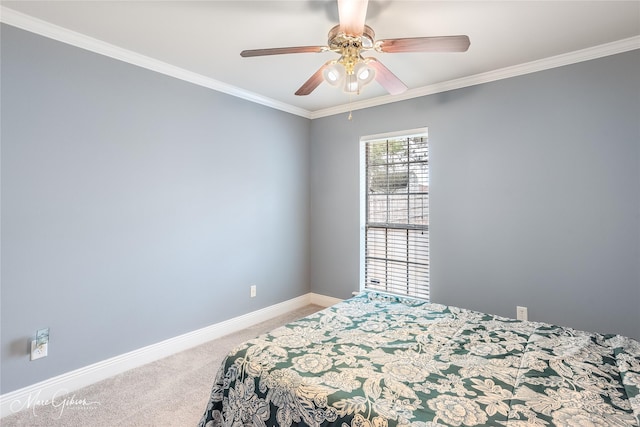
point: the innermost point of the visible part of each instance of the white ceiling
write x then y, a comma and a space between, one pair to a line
206, 37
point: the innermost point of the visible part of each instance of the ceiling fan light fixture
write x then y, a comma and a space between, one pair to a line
351, 84
334, 74
350, 39
364, 73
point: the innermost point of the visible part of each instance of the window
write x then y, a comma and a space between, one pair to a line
395, 214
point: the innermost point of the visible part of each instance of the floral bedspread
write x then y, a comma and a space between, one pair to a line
382, 361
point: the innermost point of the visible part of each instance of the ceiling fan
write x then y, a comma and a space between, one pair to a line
350, 39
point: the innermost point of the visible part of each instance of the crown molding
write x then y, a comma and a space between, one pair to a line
55, 32
620, 46
64, 35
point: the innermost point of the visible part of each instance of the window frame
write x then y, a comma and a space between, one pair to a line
364, 140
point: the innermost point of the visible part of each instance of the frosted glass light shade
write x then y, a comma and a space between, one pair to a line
334, 74
351, 84
364, 73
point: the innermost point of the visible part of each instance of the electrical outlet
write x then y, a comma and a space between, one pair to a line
521, 313
40, 346
253, 291
39, 351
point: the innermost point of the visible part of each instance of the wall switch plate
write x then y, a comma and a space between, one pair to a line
253, 291
521, 313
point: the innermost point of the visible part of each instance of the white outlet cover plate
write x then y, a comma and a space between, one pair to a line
38, 352
521, 313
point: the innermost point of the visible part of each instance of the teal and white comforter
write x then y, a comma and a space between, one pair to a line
382, 361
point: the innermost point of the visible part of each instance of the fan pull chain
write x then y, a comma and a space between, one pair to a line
350, 115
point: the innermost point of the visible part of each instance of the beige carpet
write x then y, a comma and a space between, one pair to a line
172, 392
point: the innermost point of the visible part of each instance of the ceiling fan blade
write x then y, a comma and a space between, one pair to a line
352, 14
425, 44
313, 82
282, 50
386, 78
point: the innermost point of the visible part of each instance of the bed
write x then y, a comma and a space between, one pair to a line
377, 360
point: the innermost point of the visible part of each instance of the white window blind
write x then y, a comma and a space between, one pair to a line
396, 237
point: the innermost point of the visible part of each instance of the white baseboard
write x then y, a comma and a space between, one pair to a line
323, 300
52, 388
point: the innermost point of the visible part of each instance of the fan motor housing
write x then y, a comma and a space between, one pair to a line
338, 40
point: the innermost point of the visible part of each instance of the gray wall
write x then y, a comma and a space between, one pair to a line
137, 207
535, 194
